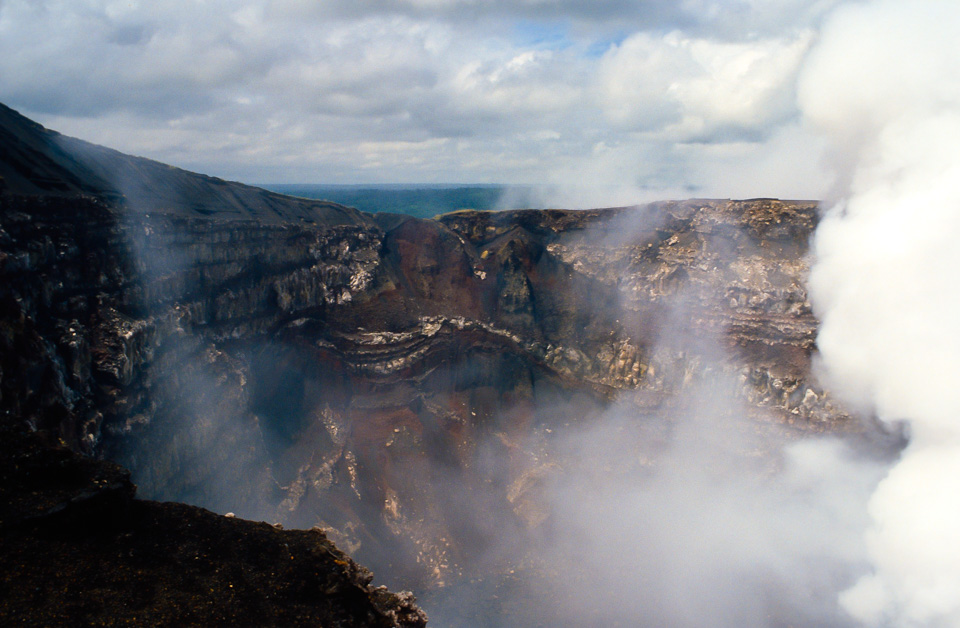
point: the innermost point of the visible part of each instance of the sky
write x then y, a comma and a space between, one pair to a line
655, 98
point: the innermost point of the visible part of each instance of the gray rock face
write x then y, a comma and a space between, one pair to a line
322, 375
99, 303
303, 363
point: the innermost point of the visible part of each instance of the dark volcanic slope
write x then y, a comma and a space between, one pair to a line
37, 161
76, 548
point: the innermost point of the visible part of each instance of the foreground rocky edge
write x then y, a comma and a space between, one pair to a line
77, 549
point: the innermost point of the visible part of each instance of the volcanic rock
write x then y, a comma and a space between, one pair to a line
300, 362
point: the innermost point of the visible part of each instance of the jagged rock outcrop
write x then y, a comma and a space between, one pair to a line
315, 366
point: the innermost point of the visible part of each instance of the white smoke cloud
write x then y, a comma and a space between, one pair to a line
884, 85
706, 535
693, 515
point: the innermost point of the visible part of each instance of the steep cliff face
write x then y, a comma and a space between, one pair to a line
450, 373
96, 313
322, 375
315, 366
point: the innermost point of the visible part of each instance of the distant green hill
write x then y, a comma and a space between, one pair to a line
422, 201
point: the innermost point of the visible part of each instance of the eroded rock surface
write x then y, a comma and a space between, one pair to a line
96, 340
363, 374
327, 375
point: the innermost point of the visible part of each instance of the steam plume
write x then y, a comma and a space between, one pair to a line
884, 85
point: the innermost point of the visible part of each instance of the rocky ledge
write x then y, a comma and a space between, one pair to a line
77, 549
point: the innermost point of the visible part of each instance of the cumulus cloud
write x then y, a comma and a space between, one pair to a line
700, 89
601, 13
415, 90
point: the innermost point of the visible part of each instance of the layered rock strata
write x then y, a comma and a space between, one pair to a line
318, 367
91, 319
84, 339
326, 375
